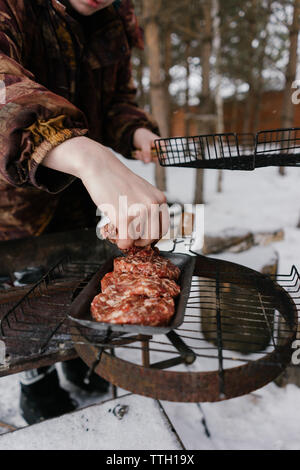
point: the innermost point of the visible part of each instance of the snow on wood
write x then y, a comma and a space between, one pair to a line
143, 426
258, 258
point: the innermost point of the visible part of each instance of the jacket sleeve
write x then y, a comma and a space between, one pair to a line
33, 120
124, 116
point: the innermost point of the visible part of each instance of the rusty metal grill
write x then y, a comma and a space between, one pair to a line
236, 320
230, 151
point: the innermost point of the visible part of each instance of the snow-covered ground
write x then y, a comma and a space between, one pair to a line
268, 419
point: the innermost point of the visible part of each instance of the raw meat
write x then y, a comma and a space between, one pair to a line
140, 291
134, 310
142, 252
130, 284
155, 266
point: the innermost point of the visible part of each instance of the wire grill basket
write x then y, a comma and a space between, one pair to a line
230, 151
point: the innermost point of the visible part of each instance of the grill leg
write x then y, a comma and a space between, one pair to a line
145, 353
114, 388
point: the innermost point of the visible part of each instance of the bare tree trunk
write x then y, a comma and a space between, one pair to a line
260, 66
257, 106
151, 9
218, 96
199, 190
205, 95
258, 91
288, 109
251, 93
206, 55
235, 111
167, 78
247, 127
187, 88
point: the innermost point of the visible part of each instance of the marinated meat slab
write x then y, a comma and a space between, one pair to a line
139, 291
129, 284
135, 310
146, 253
156, 266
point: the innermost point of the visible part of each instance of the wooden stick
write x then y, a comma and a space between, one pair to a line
153, 153
7, 426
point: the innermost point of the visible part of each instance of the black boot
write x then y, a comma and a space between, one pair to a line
42, 397
76, 372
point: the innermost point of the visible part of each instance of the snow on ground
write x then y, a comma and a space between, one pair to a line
265, 420
10, 394
269, 418
142, 426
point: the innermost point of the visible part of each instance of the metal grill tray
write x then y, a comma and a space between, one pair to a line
80, 308
231, 151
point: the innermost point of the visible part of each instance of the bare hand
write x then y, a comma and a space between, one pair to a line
106, 180
143, 141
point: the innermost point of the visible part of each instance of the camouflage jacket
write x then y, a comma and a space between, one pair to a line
64, 76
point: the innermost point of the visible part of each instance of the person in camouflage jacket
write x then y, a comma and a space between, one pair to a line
67, 74
67, 95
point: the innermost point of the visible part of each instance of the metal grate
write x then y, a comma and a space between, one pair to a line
234, 317
232, 151
238, 330
279, 147
231, 315
36, 320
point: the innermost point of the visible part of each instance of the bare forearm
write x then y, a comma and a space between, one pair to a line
106, 179
72, 157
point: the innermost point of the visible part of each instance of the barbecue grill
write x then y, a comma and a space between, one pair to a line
239, 325
230, 151
200, 361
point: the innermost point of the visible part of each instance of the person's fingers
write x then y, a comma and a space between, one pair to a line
153, 151
125, 244
151, 227
142, 243
138, 154
109, 232
164, 220
137, 230
146, 238
146, 153
144, 156
156, 223
137, 224
161, 198
154, 156
123, 240
131, 229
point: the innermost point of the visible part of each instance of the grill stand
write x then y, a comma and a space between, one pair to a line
157, 382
